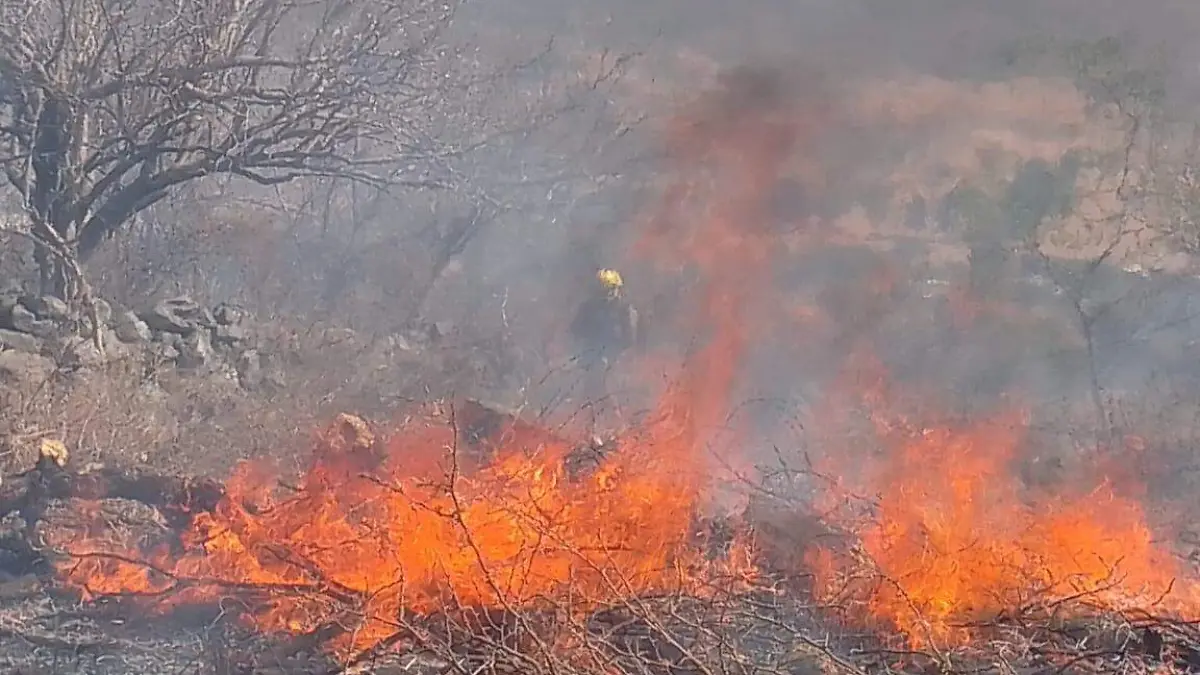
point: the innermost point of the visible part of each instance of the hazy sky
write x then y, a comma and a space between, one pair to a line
944, 36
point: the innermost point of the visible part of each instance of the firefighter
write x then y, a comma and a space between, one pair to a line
605, 326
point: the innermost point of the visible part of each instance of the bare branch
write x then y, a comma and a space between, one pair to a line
107, 105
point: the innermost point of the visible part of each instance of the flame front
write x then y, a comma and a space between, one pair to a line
955, 541
419, 535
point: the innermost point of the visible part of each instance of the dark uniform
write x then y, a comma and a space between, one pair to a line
605, 327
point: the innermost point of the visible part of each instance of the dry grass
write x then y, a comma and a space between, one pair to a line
134, 411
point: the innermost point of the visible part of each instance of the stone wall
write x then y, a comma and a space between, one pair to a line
43, 333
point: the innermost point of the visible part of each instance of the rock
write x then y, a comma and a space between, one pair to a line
130, 329
8, 299
228, 335
440, 329
162, 320
226, 314
82, 354
47, 307
205, 319
249, 369
19, 368
20, 318
45, 329
21, 342
179, 315
163, 352
195, 351
42, 336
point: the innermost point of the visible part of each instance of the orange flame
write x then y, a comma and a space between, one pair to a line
728, 152
379, 529
413, 537
955, 541
411, 534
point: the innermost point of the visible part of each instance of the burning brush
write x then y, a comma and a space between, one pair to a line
482, 542
381, 531
391, 546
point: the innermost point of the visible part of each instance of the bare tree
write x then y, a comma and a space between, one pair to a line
1119, 219
106, 106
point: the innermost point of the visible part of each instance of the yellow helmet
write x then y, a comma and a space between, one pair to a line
610, 279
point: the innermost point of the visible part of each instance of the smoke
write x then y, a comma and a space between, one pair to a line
847, 223
818, 181
787, 186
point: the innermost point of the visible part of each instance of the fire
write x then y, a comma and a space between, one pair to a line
956, 541
380, 529
413, 530
716, 220
408, 528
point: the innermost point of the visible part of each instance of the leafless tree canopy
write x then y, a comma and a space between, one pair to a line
106, 105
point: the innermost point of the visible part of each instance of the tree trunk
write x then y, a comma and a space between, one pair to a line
53, 273
61, 276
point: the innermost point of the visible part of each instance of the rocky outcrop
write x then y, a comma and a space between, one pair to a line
178, 346
176, 332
